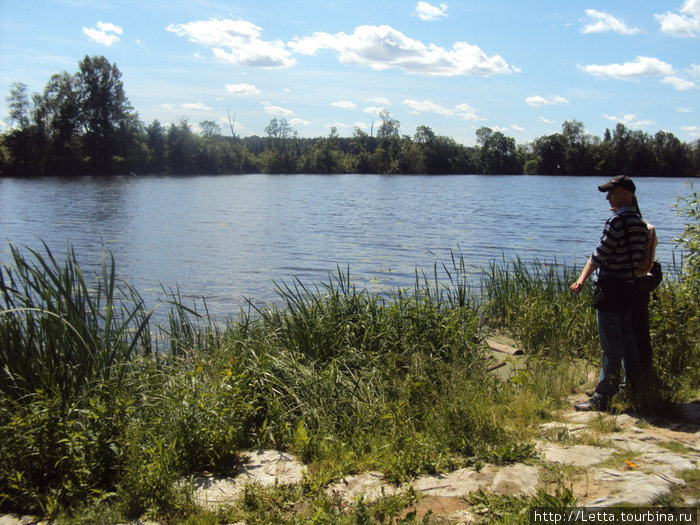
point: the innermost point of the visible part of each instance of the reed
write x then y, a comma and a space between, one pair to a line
532, 302
60, 332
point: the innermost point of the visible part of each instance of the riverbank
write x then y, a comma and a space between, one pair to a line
105, 418
599, 460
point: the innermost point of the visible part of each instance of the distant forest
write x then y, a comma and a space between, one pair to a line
83, 124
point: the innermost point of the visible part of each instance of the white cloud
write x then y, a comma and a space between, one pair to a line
602, 22
142, 45
428, 12
641, 67
426, 106
693, 131
344, 104
546, 120
539, 101
280, 112
684, 110
380, 100
242, 89
685, 24
466, 112
679, 83
463, 111
374, 110
630, 120
515, 127
383, 47
236, 41
694, 70
195, 106
299, 122
105, 33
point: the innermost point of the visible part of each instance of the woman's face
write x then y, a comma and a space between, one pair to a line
619, 197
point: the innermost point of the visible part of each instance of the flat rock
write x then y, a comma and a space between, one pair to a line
578, 455
631, 487
369, 486
16, 519
457, 483
666, 462
516, 480
262, 467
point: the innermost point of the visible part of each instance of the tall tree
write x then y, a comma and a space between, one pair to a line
104, 108
498, 153
18, 102
389, 127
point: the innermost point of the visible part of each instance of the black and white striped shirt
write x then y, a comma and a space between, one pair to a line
612, 256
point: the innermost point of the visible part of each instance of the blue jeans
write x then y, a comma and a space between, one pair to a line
617, 340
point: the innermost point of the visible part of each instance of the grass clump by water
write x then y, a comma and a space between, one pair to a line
91, 414
533, 303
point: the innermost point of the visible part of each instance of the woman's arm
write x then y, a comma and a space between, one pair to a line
585, 274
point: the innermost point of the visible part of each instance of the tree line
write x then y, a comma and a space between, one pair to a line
83, 123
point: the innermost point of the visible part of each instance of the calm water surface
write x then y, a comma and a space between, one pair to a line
228, 238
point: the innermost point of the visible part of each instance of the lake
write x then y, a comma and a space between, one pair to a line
229, 238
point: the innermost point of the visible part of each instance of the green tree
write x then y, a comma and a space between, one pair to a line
18, 103
280, 155
156, 144
58, 117
389, 127
673, 158
21, 146
104, 108
551, 155
209, 128
498, 153
181, 147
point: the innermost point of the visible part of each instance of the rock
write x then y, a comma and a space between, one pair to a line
632, 487
455, 484
369, 486
510, 480
516, 480
578, 455
263, 467
16, 519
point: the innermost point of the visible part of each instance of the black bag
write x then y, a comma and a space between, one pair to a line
613, 295
652, 280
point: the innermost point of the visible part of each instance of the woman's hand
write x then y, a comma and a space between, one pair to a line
587, 271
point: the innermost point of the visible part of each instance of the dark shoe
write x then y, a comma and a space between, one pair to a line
595, 403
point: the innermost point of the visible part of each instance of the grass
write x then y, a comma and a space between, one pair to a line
103, 414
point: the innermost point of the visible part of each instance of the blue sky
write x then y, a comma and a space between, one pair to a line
519, 67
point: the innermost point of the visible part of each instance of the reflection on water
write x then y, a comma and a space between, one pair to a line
230, 237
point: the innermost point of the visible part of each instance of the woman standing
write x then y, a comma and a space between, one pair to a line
616, 258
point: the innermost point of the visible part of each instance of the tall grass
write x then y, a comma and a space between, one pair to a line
533, 303
59, 331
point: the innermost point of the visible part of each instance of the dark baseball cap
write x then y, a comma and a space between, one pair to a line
619, 181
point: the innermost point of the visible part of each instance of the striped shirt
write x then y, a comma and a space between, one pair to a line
612, 256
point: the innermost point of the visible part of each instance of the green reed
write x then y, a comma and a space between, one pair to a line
59, 331
532, 301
